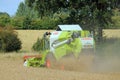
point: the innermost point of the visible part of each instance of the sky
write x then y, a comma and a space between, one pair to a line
9, 6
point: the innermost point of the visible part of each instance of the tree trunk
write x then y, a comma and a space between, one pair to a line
100, 34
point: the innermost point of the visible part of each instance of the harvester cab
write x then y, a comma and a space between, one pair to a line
67, 39
65, 32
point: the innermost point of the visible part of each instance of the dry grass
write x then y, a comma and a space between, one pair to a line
29, 37
13, 69
112, 33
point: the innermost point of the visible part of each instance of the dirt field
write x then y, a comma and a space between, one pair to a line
12, 68
102, 68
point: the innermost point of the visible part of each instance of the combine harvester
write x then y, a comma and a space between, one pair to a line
66, 40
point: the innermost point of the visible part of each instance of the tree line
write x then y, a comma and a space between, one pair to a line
93, 15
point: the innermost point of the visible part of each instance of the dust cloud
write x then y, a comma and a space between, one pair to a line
105, 59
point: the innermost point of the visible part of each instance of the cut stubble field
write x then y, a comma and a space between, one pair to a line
11, 64
12, 68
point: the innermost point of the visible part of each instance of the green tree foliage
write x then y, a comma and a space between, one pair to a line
44, 7
17, 22
25, 11
28, 18
117, 4
21, 9
116, 19
80, 10
9, 40
4, 19
91, 14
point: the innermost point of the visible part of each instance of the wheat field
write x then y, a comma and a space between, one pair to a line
111, 33
11, 64
29, 37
